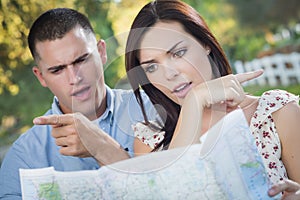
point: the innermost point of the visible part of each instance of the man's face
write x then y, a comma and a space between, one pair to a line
72, 69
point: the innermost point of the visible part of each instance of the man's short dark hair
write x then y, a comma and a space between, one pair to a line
55, 24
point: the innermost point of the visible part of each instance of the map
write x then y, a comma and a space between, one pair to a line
224, 165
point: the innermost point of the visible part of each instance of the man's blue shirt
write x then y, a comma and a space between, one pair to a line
37, 149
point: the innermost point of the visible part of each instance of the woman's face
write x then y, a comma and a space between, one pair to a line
173, 60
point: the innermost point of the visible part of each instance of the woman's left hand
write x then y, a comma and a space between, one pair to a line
290, 189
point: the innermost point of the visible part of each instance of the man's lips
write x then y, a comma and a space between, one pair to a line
81, 93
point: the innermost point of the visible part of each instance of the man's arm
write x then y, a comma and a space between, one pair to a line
10, 187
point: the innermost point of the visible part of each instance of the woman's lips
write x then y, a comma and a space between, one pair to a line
182, 90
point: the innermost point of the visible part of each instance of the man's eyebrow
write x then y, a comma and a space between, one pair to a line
170, 50
56, 67
64, 65
80, 58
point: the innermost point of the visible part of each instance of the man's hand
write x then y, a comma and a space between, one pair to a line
78, 136
65, 133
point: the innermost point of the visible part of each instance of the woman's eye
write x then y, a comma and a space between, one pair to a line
179, 53
151, 68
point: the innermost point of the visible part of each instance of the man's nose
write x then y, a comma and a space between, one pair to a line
73, 75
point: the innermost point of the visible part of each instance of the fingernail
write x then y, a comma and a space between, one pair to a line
36, 121
271, 191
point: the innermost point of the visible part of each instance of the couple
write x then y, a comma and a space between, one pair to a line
174, 57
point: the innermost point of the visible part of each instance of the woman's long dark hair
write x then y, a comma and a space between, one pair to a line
193, 23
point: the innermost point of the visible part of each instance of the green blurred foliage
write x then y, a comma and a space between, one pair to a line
244, 29
21, 96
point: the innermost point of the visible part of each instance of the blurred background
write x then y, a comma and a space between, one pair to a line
254, 34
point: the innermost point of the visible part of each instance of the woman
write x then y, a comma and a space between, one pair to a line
172, 55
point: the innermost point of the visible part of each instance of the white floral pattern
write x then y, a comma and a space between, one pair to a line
148, 135
264, 131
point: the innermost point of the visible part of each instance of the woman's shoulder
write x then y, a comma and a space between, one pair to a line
273, 100
278, 95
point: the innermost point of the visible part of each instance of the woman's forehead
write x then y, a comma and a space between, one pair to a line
163, 34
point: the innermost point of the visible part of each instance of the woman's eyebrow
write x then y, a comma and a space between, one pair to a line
147, 61
169, 51
173, 47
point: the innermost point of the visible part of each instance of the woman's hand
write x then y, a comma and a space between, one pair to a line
226, 89
290, 189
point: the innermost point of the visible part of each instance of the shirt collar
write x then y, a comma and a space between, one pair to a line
55, 106
109, 104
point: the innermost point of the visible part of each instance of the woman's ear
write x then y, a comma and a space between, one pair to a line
102, 51
207, 50
37, 72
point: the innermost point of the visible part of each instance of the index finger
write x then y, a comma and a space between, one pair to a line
243, 77
54, 120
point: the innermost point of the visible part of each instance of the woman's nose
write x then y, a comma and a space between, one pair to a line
170, 72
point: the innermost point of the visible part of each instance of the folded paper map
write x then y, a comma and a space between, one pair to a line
225, 165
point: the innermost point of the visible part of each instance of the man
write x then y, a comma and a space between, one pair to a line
69, 62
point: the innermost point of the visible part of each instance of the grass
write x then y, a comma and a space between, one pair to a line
258, 90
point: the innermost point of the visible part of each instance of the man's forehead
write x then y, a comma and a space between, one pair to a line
64, 50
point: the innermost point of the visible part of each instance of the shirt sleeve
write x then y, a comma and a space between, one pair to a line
10, 187
148, 135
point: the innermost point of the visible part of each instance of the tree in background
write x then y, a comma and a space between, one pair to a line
244, 28
265, 27
21, 96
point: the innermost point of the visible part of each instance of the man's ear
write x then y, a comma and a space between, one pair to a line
37, 72
102, 51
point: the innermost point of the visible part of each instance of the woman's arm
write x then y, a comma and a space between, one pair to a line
287, 121
189, 124
226, 89
140, 148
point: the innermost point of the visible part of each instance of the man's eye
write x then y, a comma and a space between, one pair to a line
179, 53
151, 68
80, 61
56, 70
